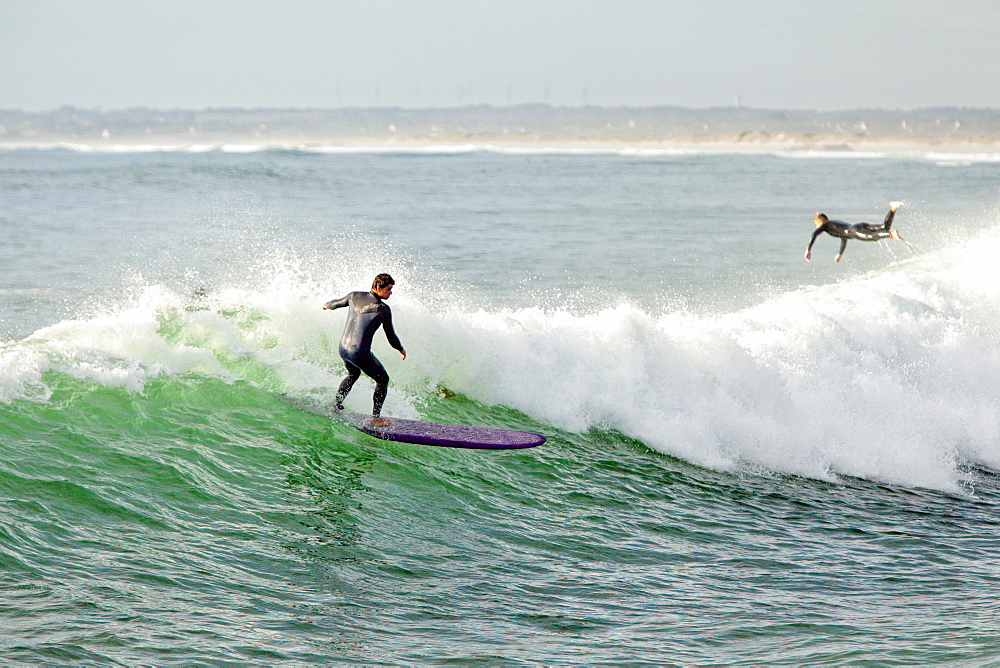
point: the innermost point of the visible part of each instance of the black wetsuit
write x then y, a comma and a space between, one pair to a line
366, 314
860, 231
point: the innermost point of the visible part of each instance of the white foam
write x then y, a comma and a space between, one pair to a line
890, 376
21, 374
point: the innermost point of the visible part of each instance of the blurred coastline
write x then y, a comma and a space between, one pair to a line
531, 126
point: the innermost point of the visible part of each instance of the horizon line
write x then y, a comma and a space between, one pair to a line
473, 106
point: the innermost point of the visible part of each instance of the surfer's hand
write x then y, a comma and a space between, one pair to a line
402, 354
837, 258
808, 255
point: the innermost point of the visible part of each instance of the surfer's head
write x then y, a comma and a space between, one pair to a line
382, 285
820, 218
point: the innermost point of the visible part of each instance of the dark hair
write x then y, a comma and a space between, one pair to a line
382, 281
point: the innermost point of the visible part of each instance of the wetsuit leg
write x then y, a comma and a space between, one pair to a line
887, 223
378, 398
372, 368
353, 373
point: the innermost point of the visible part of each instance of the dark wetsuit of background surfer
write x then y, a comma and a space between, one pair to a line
862, 231
366, 314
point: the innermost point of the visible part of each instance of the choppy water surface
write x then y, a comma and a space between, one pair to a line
750, 458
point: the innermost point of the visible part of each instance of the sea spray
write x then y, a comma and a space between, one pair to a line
886, 376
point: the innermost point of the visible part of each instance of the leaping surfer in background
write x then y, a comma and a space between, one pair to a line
368, 312
860, 231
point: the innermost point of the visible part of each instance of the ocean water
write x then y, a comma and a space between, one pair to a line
751, 459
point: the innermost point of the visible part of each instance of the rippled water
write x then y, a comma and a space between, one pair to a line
750, 459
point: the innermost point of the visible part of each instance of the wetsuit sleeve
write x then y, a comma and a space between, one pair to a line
338, 303
819, 231
390, 333
843, 245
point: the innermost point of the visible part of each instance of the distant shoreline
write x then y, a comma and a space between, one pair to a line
524, 127
528, 143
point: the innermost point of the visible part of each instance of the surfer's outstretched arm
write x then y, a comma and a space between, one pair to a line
336, 303
812, 240
843, 245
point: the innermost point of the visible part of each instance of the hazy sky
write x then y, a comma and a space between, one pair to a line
801, 54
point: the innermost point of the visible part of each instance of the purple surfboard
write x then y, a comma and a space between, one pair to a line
445, 435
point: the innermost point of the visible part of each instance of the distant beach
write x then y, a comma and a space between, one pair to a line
529, 127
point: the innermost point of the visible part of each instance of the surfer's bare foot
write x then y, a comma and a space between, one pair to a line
895, 235
381, 422
894, 205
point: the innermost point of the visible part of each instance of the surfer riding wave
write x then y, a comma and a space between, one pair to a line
368, 311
